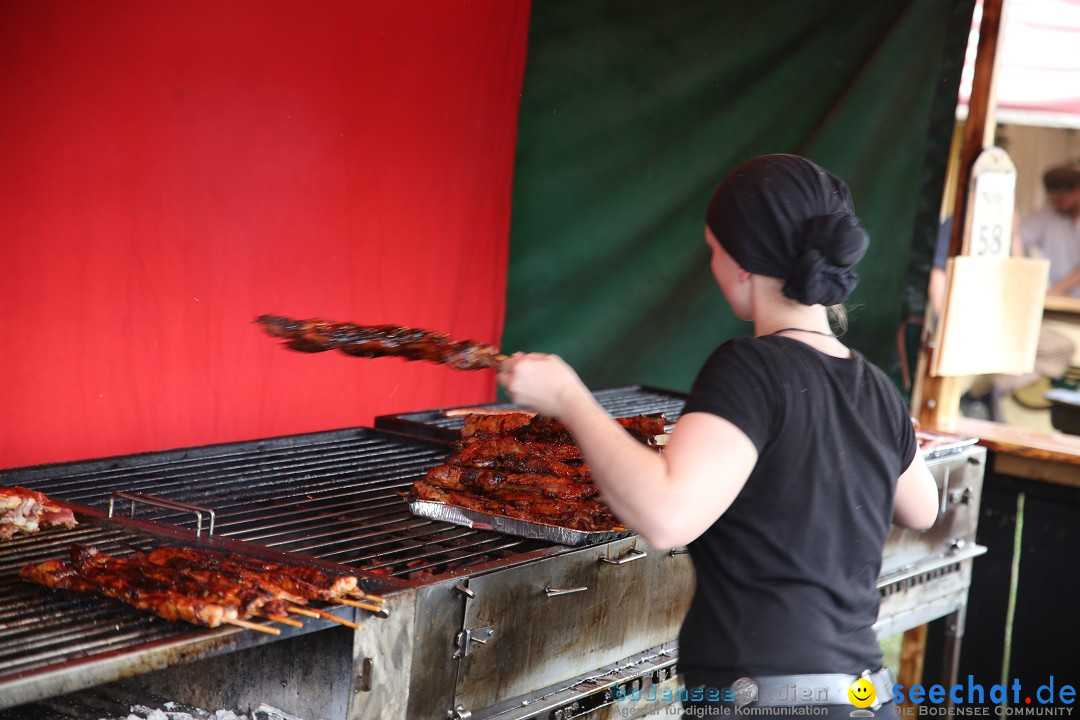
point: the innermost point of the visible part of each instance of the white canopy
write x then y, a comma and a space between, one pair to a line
1038, 73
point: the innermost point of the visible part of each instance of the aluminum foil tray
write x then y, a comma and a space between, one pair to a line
936, 444
521, 528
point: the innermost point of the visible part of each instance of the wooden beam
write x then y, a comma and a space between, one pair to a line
979, 126
912, 654
939, 397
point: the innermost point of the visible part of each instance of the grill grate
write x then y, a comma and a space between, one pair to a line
336, 496
59, 639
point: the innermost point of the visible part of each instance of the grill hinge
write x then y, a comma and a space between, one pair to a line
363, 678
466, 638
459, 713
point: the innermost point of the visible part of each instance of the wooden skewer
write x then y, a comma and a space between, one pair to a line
458, 412
253, 626
281, 619
335, 618
500, 357
362, 605
296, 609
361, 595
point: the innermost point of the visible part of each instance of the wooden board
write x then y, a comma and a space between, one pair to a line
1063, 304
990, 322
1022, 442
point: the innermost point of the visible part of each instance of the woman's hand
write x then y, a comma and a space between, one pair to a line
543, 383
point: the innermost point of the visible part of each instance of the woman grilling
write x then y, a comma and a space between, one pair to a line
791, 457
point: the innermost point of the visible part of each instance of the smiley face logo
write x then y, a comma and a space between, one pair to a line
862, 693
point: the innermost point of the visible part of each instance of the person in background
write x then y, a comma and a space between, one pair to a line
1053, 232
792, 457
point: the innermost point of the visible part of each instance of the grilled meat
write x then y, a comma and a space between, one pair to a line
380, 340
135, 572
26, 511
539, 428
295, 583
488, 481
201, 587
59, 575
488, 455
526, 467
331, 586
475, 451
588, 515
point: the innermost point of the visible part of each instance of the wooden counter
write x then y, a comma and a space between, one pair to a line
1030, 522
1044, 456
1062, 304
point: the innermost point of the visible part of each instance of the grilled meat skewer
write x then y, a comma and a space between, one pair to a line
296, 584
298, 579
59, 575
316, 335
134, 571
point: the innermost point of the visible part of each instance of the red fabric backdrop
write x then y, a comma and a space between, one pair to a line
171, 169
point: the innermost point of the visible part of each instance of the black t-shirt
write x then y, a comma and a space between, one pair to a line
786, 577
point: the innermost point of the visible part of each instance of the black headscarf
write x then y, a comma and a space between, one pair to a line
785, 217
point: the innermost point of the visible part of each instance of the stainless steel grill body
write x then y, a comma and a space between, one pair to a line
927, 575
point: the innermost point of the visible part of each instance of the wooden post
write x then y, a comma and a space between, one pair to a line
912, 652
939, 397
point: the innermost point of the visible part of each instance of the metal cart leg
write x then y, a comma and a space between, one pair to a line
954, 635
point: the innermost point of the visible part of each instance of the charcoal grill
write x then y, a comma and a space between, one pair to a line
480, 625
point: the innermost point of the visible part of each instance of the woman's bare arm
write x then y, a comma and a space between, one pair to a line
669, 498
916, 499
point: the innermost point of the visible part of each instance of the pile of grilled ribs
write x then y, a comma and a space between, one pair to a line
526, 467
380, 341
25, 511
202, 587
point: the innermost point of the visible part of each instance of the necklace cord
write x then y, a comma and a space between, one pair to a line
793, 329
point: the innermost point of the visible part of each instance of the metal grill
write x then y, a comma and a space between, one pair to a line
624, 401
336, 496
52, 641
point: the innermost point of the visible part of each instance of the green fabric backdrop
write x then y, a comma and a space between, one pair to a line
632, 111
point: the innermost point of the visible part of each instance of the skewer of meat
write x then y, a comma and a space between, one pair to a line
60, 575
207, 582
302, 580
133, 572
371, 341
285, 583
